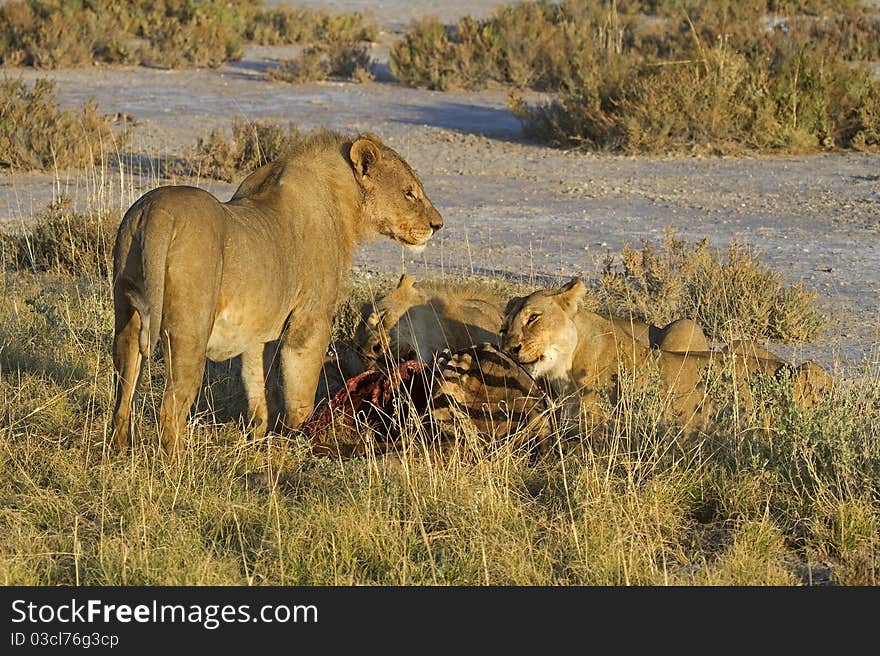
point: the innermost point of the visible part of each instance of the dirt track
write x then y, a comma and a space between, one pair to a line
511, 207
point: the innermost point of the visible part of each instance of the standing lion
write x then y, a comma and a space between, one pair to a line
213, 279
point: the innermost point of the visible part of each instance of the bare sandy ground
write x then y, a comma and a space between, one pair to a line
512, 208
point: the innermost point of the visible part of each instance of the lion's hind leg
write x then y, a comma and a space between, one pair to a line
127, 360
186, 328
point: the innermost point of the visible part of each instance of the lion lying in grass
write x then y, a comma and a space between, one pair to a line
215, 280
417, 320
583, 355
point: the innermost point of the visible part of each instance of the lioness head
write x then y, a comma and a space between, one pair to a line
378, 332
539, 330
394, 199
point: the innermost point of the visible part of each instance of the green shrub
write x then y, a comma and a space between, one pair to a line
535, 44
669, 76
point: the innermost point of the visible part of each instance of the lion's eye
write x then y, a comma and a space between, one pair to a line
502, 331
410, 195
533, 318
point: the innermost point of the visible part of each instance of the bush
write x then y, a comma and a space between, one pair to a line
253, 144
287, 25
718, 102
64, 241
668, 76
36, 135
52, 34
169, 33
538, 45
345, 61
736, 298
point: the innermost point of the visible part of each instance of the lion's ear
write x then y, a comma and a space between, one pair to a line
364, 154
570, 296
513, 304
406, 282
372, 137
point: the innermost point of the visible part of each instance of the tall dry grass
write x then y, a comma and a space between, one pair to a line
733, 295
634, 503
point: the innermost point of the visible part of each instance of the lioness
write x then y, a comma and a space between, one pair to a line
217, 279
678, 336
582, 354
419, 320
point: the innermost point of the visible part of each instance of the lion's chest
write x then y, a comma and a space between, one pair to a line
237, 329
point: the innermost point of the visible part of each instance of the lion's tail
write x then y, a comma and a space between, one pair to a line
156, 238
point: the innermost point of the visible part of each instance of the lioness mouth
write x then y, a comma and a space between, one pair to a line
411, 242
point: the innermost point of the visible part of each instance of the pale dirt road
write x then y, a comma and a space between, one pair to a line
512, 208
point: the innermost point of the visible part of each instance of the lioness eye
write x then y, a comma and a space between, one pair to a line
502, 331
533, 318
410, 195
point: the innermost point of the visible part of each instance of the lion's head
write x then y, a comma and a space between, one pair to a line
378, 333
394, 198
539, 330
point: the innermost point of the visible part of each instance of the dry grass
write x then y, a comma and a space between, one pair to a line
64, 242
732, 297
168, 34
631, 504
35, 134
253, 144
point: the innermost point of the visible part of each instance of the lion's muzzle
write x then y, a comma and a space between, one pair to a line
435, 220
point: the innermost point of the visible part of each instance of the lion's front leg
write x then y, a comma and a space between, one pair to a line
253, 375
302, 356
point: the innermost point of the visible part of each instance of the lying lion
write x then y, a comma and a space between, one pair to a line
581, 354
418, 320
215, 280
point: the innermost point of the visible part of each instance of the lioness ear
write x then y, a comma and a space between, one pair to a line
406, 282
513, 304
364, 154
570, 296
372, 137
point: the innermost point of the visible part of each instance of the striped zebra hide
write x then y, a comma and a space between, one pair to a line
481, 391
475, 392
